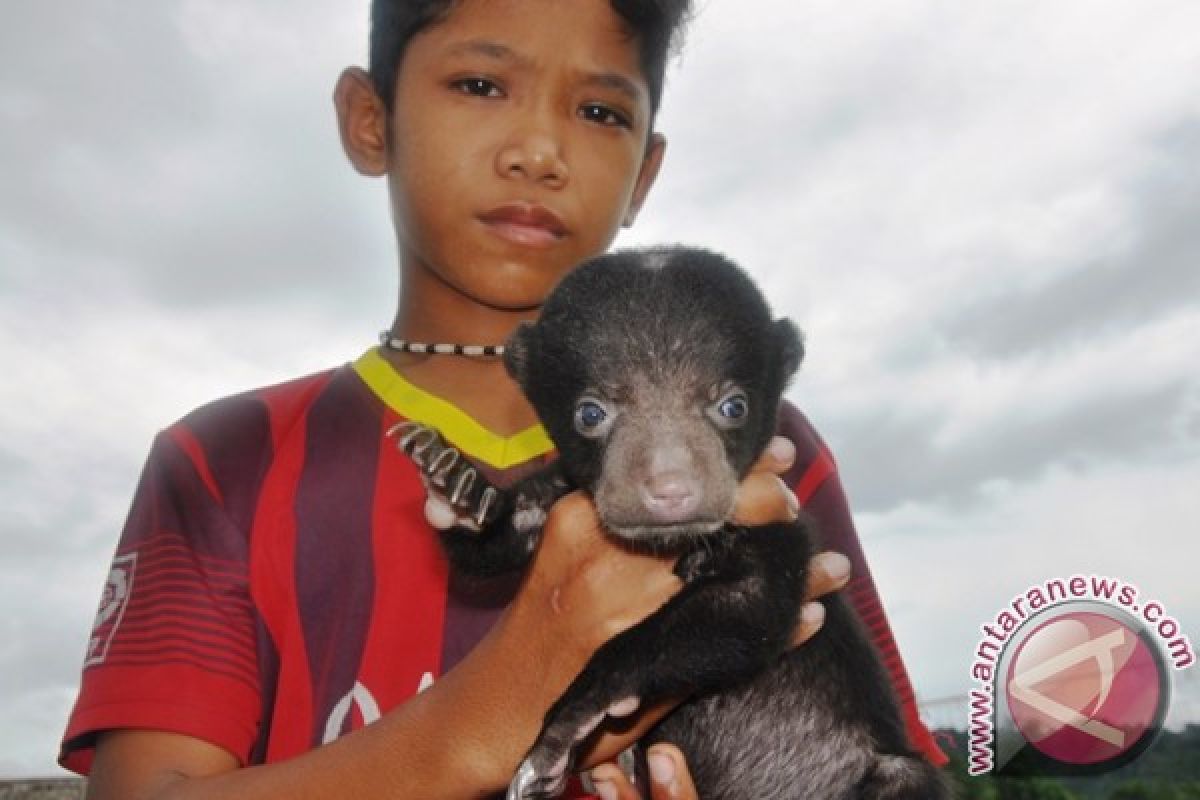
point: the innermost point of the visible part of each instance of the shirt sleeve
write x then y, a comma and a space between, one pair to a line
173, 645
815, 481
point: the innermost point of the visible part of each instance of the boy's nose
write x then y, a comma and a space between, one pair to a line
534, 157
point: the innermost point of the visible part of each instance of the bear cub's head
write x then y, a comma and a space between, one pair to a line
658, 374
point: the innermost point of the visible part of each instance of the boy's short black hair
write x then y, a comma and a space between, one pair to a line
655, 23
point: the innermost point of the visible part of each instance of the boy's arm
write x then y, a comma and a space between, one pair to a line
581, 590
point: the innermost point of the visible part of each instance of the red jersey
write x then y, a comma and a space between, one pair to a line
276, 584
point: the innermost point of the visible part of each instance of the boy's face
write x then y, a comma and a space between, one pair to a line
519, 144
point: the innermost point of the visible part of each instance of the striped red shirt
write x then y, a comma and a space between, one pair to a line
276, 584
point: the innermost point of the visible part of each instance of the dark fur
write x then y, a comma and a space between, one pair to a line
659, 337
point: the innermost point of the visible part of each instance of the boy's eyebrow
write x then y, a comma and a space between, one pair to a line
484, 47
502, 52
617, 81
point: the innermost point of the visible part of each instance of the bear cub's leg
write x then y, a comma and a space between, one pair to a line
494, 531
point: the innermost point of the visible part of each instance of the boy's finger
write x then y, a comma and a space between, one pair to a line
574, 525
574, 506
827, 572
778, 456
763, 498
669, 776
812, 617
608, 782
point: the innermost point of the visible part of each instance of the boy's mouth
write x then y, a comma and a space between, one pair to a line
525, 224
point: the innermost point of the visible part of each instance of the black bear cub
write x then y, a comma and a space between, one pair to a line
658, 374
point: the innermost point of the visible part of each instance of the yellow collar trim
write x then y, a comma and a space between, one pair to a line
461, 430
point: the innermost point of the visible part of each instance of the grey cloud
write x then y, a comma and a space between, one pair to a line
1157, 274
44, 640
182, 180
808, 96
98, 74
892, 458
65, 507
59, 646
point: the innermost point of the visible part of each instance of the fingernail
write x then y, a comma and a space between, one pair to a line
837, 566
782, 450
662, 768
599, 781
812, 614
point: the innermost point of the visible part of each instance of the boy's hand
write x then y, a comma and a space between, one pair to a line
763, 498
669, 778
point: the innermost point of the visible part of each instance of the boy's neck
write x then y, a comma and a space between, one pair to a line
431, 312
481, 388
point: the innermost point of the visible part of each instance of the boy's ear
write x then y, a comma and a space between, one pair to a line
656, 148
362, 122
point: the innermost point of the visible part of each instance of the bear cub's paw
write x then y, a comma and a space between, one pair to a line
459, 497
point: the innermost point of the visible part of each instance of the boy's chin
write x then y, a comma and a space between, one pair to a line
509, 287
506, 295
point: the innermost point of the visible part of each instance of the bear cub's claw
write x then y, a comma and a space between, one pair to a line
448, 474
527, 784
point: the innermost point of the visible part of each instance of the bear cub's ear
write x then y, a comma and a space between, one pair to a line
520, 351
789, 347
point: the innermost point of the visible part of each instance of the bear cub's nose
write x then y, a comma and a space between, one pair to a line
670, 496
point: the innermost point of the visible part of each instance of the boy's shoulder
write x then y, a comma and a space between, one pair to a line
795, 425
226, 449
814, 463
231, 442
268, 412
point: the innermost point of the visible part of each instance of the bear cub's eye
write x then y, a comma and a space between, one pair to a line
732, 409
591, 417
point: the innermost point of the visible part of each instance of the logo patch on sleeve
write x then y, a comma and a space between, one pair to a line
117, 589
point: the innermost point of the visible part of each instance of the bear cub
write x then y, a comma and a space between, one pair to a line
658, 374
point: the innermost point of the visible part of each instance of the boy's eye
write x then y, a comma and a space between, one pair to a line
603, 115
478, 87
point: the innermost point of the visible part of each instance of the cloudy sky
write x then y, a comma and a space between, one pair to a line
986, 217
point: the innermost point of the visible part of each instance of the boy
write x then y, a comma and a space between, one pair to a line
276, 586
